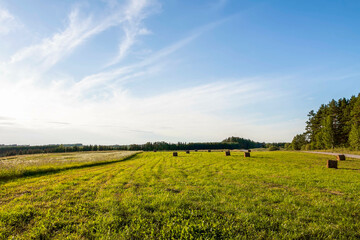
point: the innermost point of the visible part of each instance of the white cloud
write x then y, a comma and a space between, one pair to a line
99, 109
51, 50
121, 74
136, 12
7, 22
188, 114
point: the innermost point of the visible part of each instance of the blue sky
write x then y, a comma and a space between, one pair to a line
132, 71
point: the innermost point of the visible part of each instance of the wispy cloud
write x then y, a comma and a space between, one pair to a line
99, 108
7, 22
132, 27
124, 73
79, 29
218, 4
5, 118
190, 114
60, 123
51, 50
121, 74
7, 123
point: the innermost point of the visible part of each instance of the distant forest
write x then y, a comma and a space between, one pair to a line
229, 143
336, 124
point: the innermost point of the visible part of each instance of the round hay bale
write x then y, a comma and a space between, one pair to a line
332, 164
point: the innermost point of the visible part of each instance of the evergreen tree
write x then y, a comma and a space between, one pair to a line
331, 125
328, 132
344, 122
354, 137
355, 111
299, 142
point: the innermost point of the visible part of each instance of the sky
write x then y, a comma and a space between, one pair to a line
134, 71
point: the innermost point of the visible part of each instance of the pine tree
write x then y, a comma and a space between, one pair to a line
331, 124
328, 133
343, 122
355, 112
354, 137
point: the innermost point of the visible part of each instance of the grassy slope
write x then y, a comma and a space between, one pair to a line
154, 195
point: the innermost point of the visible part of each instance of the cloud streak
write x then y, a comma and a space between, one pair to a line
52, 49
179, 114
79, 29
133, 27
219, 4
99, 108
121, 74
8, 22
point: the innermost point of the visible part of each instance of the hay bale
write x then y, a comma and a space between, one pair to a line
187, 151
246, 154
209, 150
249, 150
175, 154
155, 150
196, 150
332, 164
227, 153
340, 157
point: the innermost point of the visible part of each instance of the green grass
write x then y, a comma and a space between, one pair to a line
340, 150
272, 195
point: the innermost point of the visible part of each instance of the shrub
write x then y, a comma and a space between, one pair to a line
274, 148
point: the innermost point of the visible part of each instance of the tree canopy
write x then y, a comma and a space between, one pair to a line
336, 124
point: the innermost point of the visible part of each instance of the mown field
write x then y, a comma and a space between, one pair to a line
340, 150
271, 195
29, 165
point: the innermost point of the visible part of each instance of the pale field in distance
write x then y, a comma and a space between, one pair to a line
24, 165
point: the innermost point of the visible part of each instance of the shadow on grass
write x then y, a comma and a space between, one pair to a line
53, 170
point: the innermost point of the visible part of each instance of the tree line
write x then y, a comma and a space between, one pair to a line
336, 124
21, 150
229, 143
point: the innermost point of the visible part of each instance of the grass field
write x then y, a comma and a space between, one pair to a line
27, 165
272, 195
340, 150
